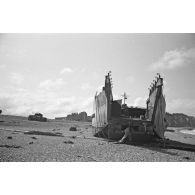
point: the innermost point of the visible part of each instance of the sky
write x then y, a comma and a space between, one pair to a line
57, 74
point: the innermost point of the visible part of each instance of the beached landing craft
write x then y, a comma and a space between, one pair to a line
117, 121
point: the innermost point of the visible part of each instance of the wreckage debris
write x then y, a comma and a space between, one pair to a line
68, 142
73, 129
73, 137
186, 158
8, 146
43, 133
89, 157
9, 137
37, 117
56, 129
31, 142
33, 137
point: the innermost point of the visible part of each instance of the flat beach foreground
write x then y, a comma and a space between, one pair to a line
32, 141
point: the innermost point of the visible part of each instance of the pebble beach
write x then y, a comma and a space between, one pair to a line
54, 142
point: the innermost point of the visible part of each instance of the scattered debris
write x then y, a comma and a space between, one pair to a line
33, 137
37, 117
68, 142
91, 158
2, 121
73, 137
186, 157
9, 137
43, 133
8, 146
73, 129
31, 143
57, 129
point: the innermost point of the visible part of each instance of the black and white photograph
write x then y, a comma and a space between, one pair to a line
97, 97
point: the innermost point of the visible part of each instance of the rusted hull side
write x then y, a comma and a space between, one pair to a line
156, 110
151, 104
100, 109
159, 119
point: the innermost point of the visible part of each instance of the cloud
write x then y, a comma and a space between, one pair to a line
178, 105
181, 105
2, 67
6, 102
140, 102
174, 59
95, 75
16, 78
51, 84
66, 70
117, 97
63, 106
86, 86
24, 102
130, 79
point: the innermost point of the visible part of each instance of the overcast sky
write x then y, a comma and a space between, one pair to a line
57, 74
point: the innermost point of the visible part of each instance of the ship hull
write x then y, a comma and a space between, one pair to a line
113, 120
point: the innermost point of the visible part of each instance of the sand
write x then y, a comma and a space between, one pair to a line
80, 145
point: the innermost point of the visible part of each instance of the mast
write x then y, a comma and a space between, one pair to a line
124, 97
